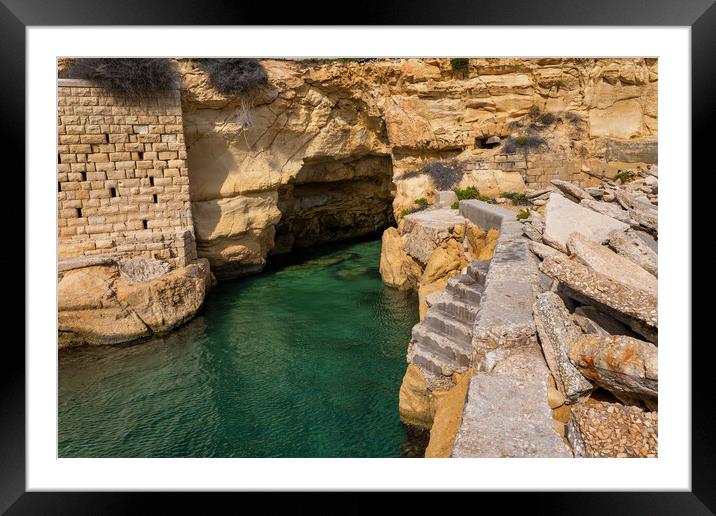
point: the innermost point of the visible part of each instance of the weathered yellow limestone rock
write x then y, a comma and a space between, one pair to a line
493, 182
475, 240
447, 406
427, 289
97, 305
490, 241
397, 268
409, 113
440, 411
444, 261
414, 399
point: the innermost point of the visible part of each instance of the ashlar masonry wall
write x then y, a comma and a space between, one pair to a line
123, 184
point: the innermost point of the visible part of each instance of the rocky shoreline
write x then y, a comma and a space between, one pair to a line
577, 334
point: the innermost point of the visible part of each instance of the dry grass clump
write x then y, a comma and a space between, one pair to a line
132, 77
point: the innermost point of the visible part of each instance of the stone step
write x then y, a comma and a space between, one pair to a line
460, 310
477, 269
434, 363
446, 325
464, 290
457, 353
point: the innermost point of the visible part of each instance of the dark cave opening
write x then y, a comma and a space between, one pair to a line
334, 201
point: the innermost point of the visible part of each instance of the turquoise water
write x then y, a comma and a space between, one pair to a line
303, 360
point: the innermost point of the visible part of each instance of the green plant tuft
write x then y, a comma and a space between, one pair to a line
517, 198
467, 193
523, 214
626, 175
459, 63
422, 202
455, 205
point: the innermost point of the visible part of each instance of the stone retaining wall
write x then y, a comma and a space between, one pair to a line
123, 184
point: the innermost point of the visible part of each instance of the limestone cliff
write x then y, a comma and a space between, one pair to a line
335, 149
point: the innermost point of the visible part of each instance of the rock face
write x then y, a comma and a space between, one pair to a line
563, 217
107, 304
636, 307
604, 261
557, 333
397, 268
623, 365
600, 429
331, 150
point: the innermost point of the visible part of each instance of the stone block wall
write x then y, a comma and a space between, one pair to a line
122, 177
539, 168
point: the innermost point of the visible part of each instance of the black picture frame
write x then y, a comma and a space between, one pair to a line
17, 15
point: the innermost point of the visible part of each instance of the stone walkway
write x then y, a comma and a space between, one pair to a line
506, 413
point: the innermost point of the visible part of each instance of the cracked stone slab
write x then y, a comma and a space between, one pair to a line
507, 414
637, 308
564, 217
635, 247
605, 261
424, 231
557, 333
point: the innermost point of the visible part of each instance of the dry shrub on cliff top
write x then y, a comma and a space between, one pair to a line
234, 76
126, 76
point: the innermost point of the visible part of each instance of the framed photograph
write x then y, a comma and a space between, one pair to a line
287, 257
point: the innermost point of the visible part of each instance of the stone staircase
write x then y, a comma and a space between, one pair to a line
442, 342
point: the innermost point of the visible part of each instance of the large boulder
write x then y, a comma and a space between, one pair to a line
557, 333
115, 303
426, 230
397, 268
625, 366
563, 217
605, 261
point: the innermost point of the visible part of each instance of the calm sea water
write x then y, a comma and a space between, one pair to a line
304, 360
